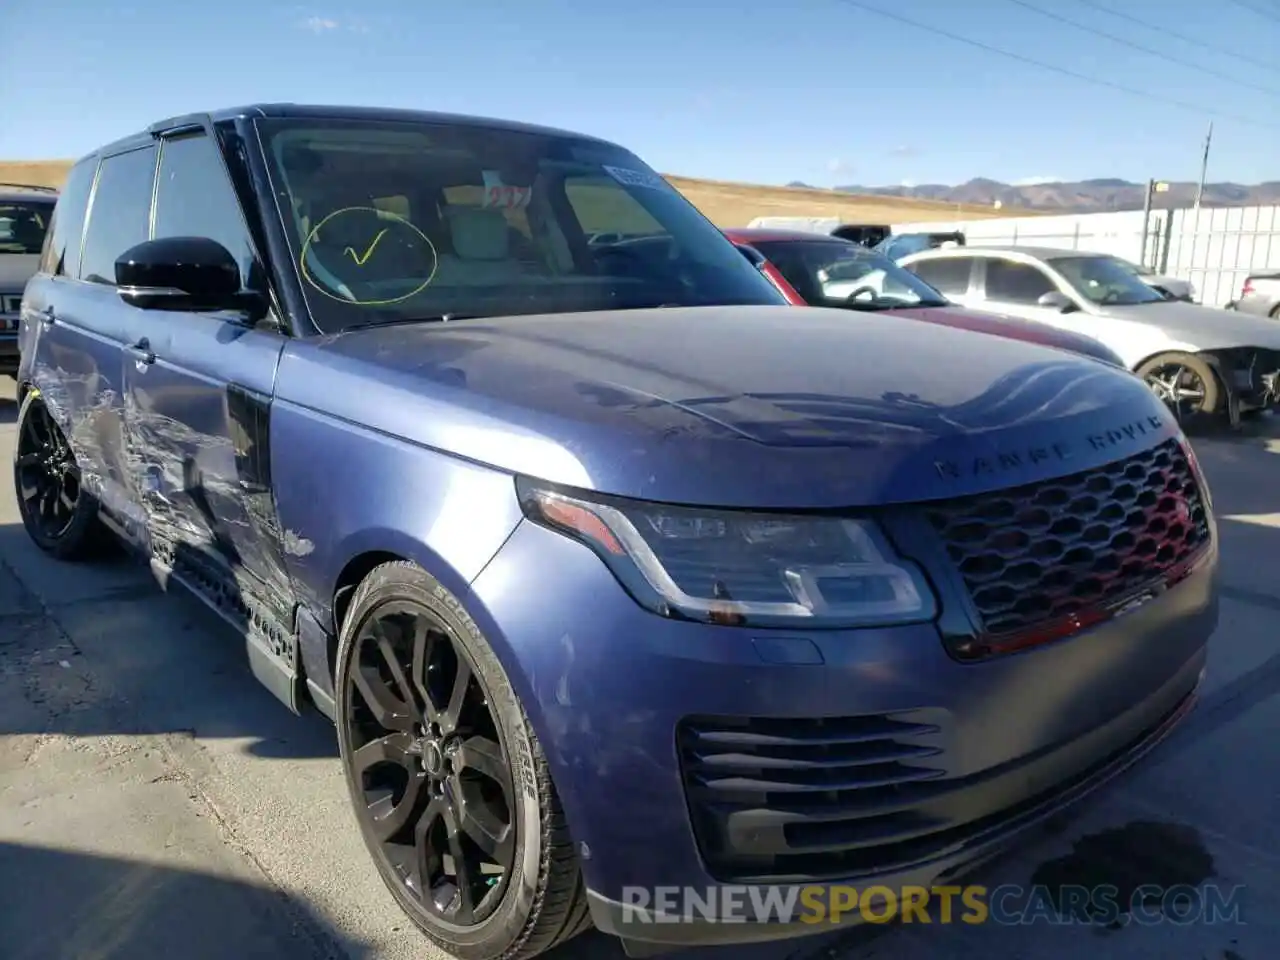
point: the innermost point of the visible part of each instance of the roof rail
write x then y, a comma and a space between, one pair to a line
30, 186
182, 124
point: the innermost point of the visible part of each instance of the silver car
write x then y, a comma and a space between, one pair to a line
1260, 295
1202, 361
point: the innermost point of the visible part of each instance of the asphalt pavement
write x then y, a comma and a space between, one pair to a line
156, 802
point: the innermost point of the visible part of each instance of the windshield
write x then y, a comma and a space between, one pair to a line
23, 226
838, 273
1107, 281
395, 221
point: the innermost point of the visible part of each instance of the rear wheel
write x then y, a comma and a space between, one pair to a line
58, 515
450, 786
1185, 382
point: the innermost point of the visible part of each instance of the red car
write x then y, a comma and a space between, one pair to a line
812, 269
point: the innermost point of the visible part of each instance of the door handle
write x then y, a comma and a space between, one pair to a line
142, 352
46, 316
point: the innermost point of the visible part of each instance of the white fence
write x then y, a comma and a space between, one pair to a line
1213, 248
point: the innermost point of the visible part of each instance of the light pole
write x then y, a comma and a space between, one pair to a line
1153, 187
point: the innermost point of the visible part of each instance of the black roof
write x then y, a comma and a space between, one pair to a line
18, 192
333, 112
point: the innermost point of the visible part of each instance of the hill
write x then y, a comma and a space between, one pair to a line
725, 204
1080, 196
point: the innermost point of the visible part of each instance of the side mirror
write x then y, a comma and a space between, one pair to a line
182, 273
1056, 300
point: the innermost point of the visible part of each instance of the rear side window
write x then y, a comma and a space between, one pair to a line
194, 198
950, 277
1009, 282
121, 213
61, 254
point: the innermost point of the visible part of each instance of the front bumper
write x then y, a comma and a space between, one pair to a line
612, 692
1252, 375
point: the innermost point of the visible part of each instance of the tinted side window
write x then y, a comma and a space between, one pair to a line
61, 255
950, 277
1011, 282
194, 198
121, 212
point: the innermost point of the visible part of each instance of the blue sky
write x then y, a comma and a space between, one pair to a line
812, 90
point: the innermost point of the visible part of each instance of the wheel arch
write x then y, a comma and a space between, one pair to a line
390, 546
1206, 355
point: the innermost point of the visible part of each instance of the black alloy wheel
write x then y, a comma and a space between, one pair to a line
59, 516
451, 788
435, 780
47, 475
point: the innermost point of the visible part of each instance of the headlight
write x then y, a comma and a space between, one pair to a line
742, 568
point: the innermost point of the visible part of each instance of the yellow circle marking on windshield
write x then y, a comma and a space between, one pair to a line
361, 257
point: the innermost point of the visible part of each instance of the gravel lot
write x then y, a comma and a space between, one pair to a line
155, 802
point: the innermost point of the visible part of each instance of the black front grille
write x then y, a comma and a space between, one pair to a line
807, 797
1050, 550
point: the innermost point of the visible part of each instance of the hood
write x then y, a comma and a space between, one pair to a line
1200, 327
1013, 327
16, 269
771, 407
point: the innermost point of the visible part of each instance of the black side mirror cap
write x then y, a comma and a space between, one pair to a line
187, 274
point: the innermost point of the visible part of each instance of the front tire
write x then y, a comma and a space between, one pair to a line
60, 517
450, 786
1185, 382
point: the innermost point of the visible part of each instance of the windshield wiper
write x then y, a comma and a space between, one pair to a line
437, 318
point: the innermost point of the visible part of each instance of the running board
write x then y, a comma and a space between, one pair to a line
278, 677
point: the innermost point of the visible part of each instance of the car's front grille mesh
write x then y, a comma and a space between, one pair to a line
1052, 549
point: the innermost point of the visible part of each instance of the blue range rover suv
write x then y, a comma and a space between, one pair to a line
611, 569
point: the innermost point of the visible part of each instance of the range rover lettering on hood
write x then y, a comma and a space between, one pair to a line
1006, 461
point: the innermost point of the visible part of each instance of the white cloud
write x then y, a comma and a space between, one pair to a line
838, 166
906, 150
1036, 181
320, 24
907, 183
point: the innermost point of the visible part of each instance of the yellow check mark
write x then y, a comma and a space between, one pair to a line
360, 261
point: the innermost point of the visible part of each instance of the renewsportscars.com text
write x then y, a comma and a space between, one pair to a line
1008, 905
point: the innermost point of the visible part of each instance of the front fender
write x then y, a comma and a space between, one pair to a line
343, 491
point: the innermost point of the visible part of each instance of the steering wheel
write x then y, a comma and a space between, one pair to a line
624, 261
873, 293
